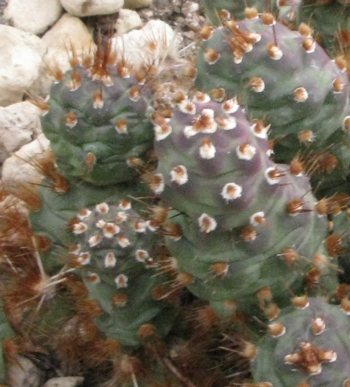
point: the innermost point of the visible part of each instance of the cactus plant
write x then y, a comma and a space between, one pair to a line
236, 8
307, 346
98, 121
330, 21
281, 76
286, 9
51, 221
243, 224
242, 215
113, 249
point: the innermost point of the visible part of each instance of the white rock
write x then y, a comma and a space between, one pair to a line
34, 16
127, 21
92, 7
136, 4
21, 55
151, 44
23, 373
68, 381
68, 32
190, 7
20, 166
19, 124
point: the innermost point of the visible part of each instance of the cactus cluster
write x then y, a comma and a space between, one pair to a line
169, 237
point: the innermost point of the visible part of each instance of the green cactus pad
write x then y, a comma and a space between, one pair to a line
286, 12
245, 221
330, 21
114, 250
99, 127
310, 347
58, 208
213, 160
280, 75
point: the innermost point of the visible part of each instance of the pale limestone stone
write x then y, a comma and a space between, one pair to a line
136, 4
67, 381
20, 166
21, 57
24, 373
34, 16
150, 45
19, 124
69, 32
92, 7
127, 21
190, 7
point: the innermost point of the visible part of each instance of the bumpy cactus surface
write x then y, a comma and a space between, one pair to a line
236, 8
286, 9
232, 215
330, 21
280, 75
51, 221
98, 123
114, 251
245, 221
307, 346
